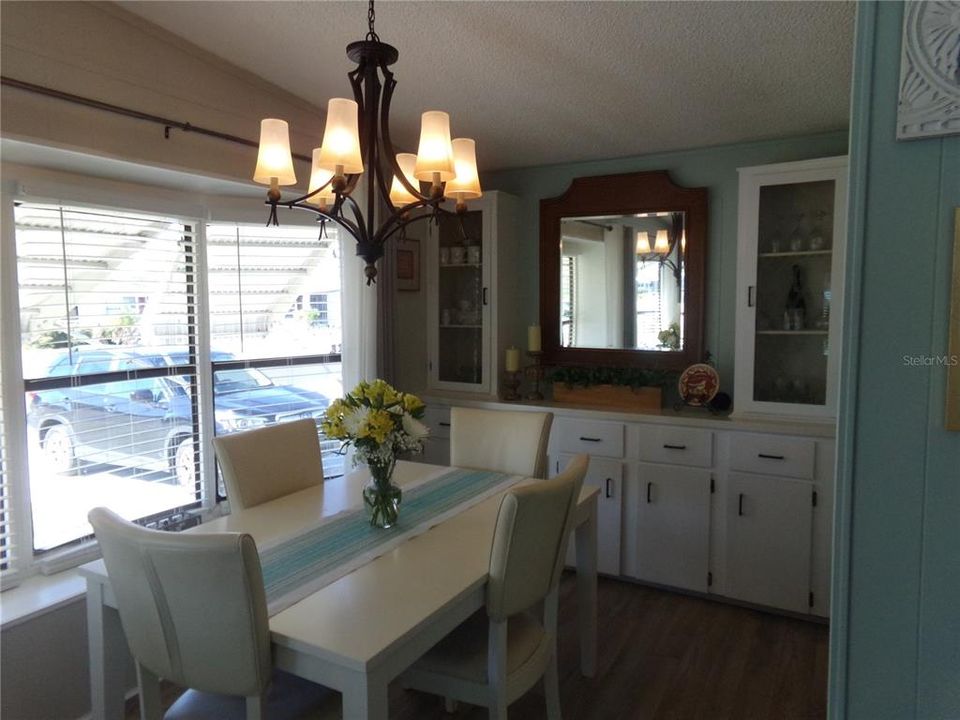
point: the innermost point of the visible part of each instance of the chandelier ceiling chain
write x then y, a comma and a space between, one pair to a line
356, 139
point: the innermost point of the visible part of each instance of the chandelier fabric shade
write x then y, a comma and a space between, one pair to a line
399, 195
356, 140
435, 154
340, 152
274, 161
319, 189
662, 243
465, 185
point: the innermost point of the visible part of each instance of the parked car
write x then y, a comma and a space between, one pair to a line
148, 423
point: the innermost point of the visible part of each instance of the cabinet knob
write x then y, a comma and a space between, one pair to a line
770, 457
668, 446
608, 488
649, 485
740, 505
590, 439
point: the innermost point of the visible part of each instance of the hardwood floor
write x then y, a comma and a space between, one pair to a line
665, 656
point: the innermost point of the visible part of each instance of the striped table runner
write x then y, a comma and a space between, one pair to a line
300, 566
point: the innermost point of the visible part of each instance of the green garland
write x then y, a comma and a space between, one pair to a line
630, 377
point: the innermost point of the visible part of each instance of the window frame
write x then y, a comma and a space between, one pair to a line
53, 187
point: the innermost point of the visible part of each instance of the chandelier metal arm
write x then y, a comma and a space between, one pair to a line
389, 85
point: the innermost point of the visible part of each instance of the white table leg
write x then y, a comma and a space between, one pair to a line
586, 538
365, 698
107, 669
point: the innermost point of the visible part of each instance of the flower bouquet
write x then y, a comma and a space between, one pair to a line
380, 422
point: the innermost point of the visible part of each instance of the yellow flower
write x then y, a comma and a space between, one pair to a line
379, 425
332, 424
412, 404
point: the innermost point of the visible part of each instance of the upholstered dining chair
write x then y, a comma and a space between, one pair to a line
267, 463
194, 612
499, 653
509, 441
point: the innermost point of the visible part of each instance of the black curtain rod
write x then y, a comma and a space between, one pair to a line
136, 114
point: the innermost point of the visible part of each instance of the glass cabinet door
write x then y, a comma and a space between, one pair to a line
793, 292
461, 299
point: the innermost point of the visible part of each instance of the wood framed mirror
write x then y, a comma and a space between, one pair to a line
622, 272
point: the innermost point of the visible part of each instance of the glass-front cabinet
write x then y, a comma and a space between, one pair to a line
462, 261
790, 287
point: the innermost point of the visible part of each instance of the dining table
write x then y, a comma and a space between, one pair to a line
358, 626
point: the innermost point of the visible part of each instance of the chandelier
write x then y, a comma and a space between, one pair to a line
665, 241
357, 139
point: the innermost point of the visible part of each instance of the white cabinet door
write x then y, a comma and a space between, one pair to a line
791, 235
673, 526
769, 522
607, 475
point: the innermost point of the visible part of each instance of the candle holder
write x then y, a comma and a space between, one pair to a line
535, 373
511, 385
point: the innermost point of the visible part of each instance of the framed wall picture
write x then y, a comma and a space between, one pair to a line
407, 253
953, 349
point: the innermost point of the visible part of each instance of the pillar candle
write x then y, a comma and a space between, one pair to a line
513, 360
533, 338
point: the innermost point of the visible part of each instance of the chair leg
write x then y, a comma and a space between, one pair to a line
257, 707
449, 705
149, 685
497, 669
551, 686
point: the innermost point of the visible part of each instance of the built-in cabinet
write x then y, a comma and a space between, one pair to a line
791, 239
736, 509
467, 312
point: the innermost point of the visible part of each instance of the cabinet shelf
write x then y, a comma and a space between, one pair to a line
453, 326
793, 332
444, 266
799, 253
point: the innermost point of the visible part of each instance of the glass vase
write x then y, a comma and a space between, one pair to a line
381, 497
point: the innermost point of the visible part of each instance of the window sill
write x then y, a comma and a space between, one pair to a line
38, 595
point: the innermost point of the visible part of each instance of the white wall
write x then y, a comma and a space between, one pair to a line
100, 51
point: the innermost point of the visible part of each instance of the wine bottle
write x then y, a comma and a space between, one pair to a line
796, 309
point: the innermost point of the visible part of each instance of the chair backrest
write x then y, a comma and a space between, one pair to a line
530, 540
192, 606
267, 463
510, 441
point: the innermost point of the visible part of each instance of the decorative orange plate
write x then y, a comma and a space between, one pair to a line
698, 384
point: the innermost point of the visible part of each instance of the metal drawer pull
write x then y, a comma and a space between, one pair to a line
740, 505
443, 424
648, 491
674, 447
607, 491
770, 457
588, 439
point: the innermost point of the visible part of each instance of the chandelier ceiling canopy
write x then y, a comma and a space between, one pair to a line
356, 139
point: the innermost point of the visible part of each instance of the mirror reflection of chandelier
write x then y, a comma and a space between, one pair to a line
659, 246
357, 139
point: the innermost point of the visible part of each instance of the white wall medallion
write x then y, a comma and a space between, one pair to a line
929, 70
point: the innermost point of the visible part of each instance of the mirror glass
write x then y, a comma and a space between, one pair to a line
622, 272
621, 281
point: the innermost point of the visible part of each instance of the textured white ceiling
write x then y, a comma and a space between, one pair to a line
547, 82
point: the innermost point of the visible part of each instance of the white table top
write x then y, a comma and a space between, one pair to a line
356, 620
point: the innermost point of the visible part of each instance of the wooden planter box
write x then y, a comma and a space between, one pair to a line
618, 397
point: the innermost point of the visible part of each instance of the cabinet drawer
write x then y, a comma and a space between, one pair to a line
588, 436
674, 445
438, 420
772, 455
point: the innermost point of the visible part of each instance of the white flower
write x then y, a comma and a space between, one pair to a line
414, 428
355, 419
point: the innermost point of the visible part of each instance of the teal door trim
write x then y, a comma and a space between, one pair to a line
860, 119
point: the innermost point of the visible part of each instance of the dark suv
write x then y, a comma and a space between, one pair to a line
147, 423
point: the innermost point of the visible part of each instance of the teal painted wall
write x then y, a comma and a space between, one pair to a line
714, 168
896, 632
